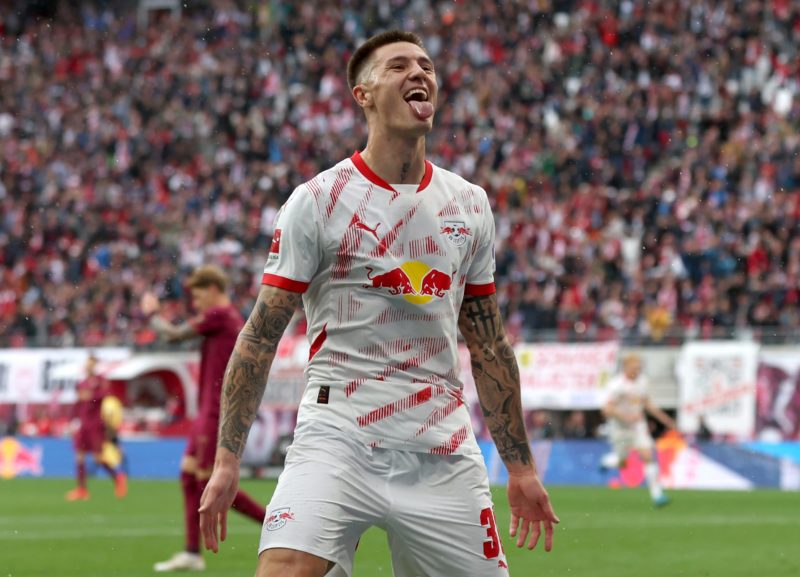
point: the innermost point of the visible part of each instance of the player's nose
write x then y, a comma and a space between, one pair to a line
416, 72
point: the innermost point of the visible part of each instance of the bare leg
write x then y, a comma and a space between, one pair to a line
292, 563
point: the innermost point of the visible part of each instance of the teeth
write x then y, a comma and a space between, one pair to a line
415, 91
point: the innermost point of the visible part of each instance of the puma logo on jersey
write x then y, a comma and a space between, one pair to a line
360, 224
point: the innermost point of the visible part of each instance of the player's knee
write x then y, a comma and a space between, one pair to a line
290, 563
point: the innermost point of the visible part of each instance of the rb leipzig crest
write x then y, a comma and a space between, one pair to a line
456, 232
278, 518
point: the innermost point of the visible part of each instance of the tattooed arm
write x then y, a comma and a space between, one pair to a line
494, 367
246, 374
496, 373
242, 389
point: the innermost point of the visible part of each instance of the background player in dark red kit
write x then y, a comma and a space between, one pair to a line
91, 432
218, 323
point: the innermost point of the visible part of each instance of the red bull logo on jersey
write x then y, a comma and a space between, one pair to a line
456, 232
17, 459
278, 518
415, 281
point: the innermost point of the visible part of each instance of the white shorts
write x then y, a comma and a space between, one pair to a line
436, 510
625, 439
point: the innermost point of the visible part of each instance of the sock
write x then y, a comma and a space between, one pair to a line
651, 474
244, 504
81, 475
110, 470
191, 503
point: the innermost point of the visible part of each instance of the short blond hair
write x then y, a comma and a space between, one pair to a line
207, 276
629, 358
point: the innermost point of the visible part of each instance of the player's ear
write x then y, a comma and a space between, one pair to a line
363, 95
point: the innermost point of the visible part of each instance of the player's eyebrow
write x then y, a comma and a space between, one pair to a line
423, 60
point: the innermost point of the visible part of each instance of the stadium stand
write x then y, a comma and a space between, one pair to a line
642, 162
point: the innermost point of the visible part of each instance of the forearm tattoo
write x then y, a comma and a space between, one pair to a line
248, 367
494, 367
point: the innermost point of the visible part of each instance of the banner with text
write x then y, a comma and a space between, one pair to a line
717, 382
565, 376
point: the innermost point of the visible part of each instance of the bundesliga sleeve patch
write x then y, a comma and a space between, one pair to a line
275, 247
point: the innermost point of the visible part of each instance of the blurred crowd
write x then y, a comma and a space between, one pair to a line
641, 155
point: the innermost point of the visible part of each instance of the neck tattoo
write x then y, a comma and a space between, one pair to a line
404, 171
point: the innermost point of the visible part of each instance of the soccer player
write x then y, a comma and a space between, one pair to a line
91, 433
218, 323
624, 409
390, 255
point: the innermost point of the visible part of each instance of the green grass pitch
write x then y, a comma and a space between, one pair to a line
603, 533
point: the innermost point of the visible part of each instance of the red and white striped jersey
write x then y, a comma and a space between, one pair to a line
383, 272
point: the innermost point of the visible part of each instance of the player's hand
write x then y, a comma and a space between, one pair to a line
149, 303
72, 427
217, 498
530, 509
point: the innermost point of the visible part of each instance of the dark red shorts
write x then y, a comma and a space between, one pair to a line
89, 438
203, 445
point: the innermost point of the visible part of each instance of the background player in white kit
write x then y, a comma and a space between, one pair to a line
392, 256
625, 407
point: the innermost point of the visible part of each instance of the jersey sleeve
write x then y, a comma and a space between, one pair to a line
480, 276
294, 255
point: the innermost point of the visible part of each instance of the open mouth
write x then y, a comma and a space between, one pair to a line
417, 99
416, 95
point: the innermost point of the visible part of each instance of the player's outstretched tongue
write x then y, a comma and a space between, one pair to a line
423, 110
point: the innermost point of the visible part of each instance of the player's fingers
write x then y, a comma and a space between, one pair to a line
548, 536
536, 531
512, 528
223, 525
549, 513
523, 534
208, 530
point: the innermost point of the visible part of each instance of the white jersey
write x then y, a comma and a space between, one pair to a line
383, 273
629, 396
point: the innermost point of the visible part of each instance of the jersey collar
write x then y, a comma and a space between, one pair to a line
367, 172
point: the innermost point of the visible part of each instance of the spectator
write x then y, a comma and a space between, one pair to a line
540, 425
575, 426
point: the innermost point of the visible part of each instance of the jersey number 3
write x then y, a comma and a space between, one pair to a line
492, 546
